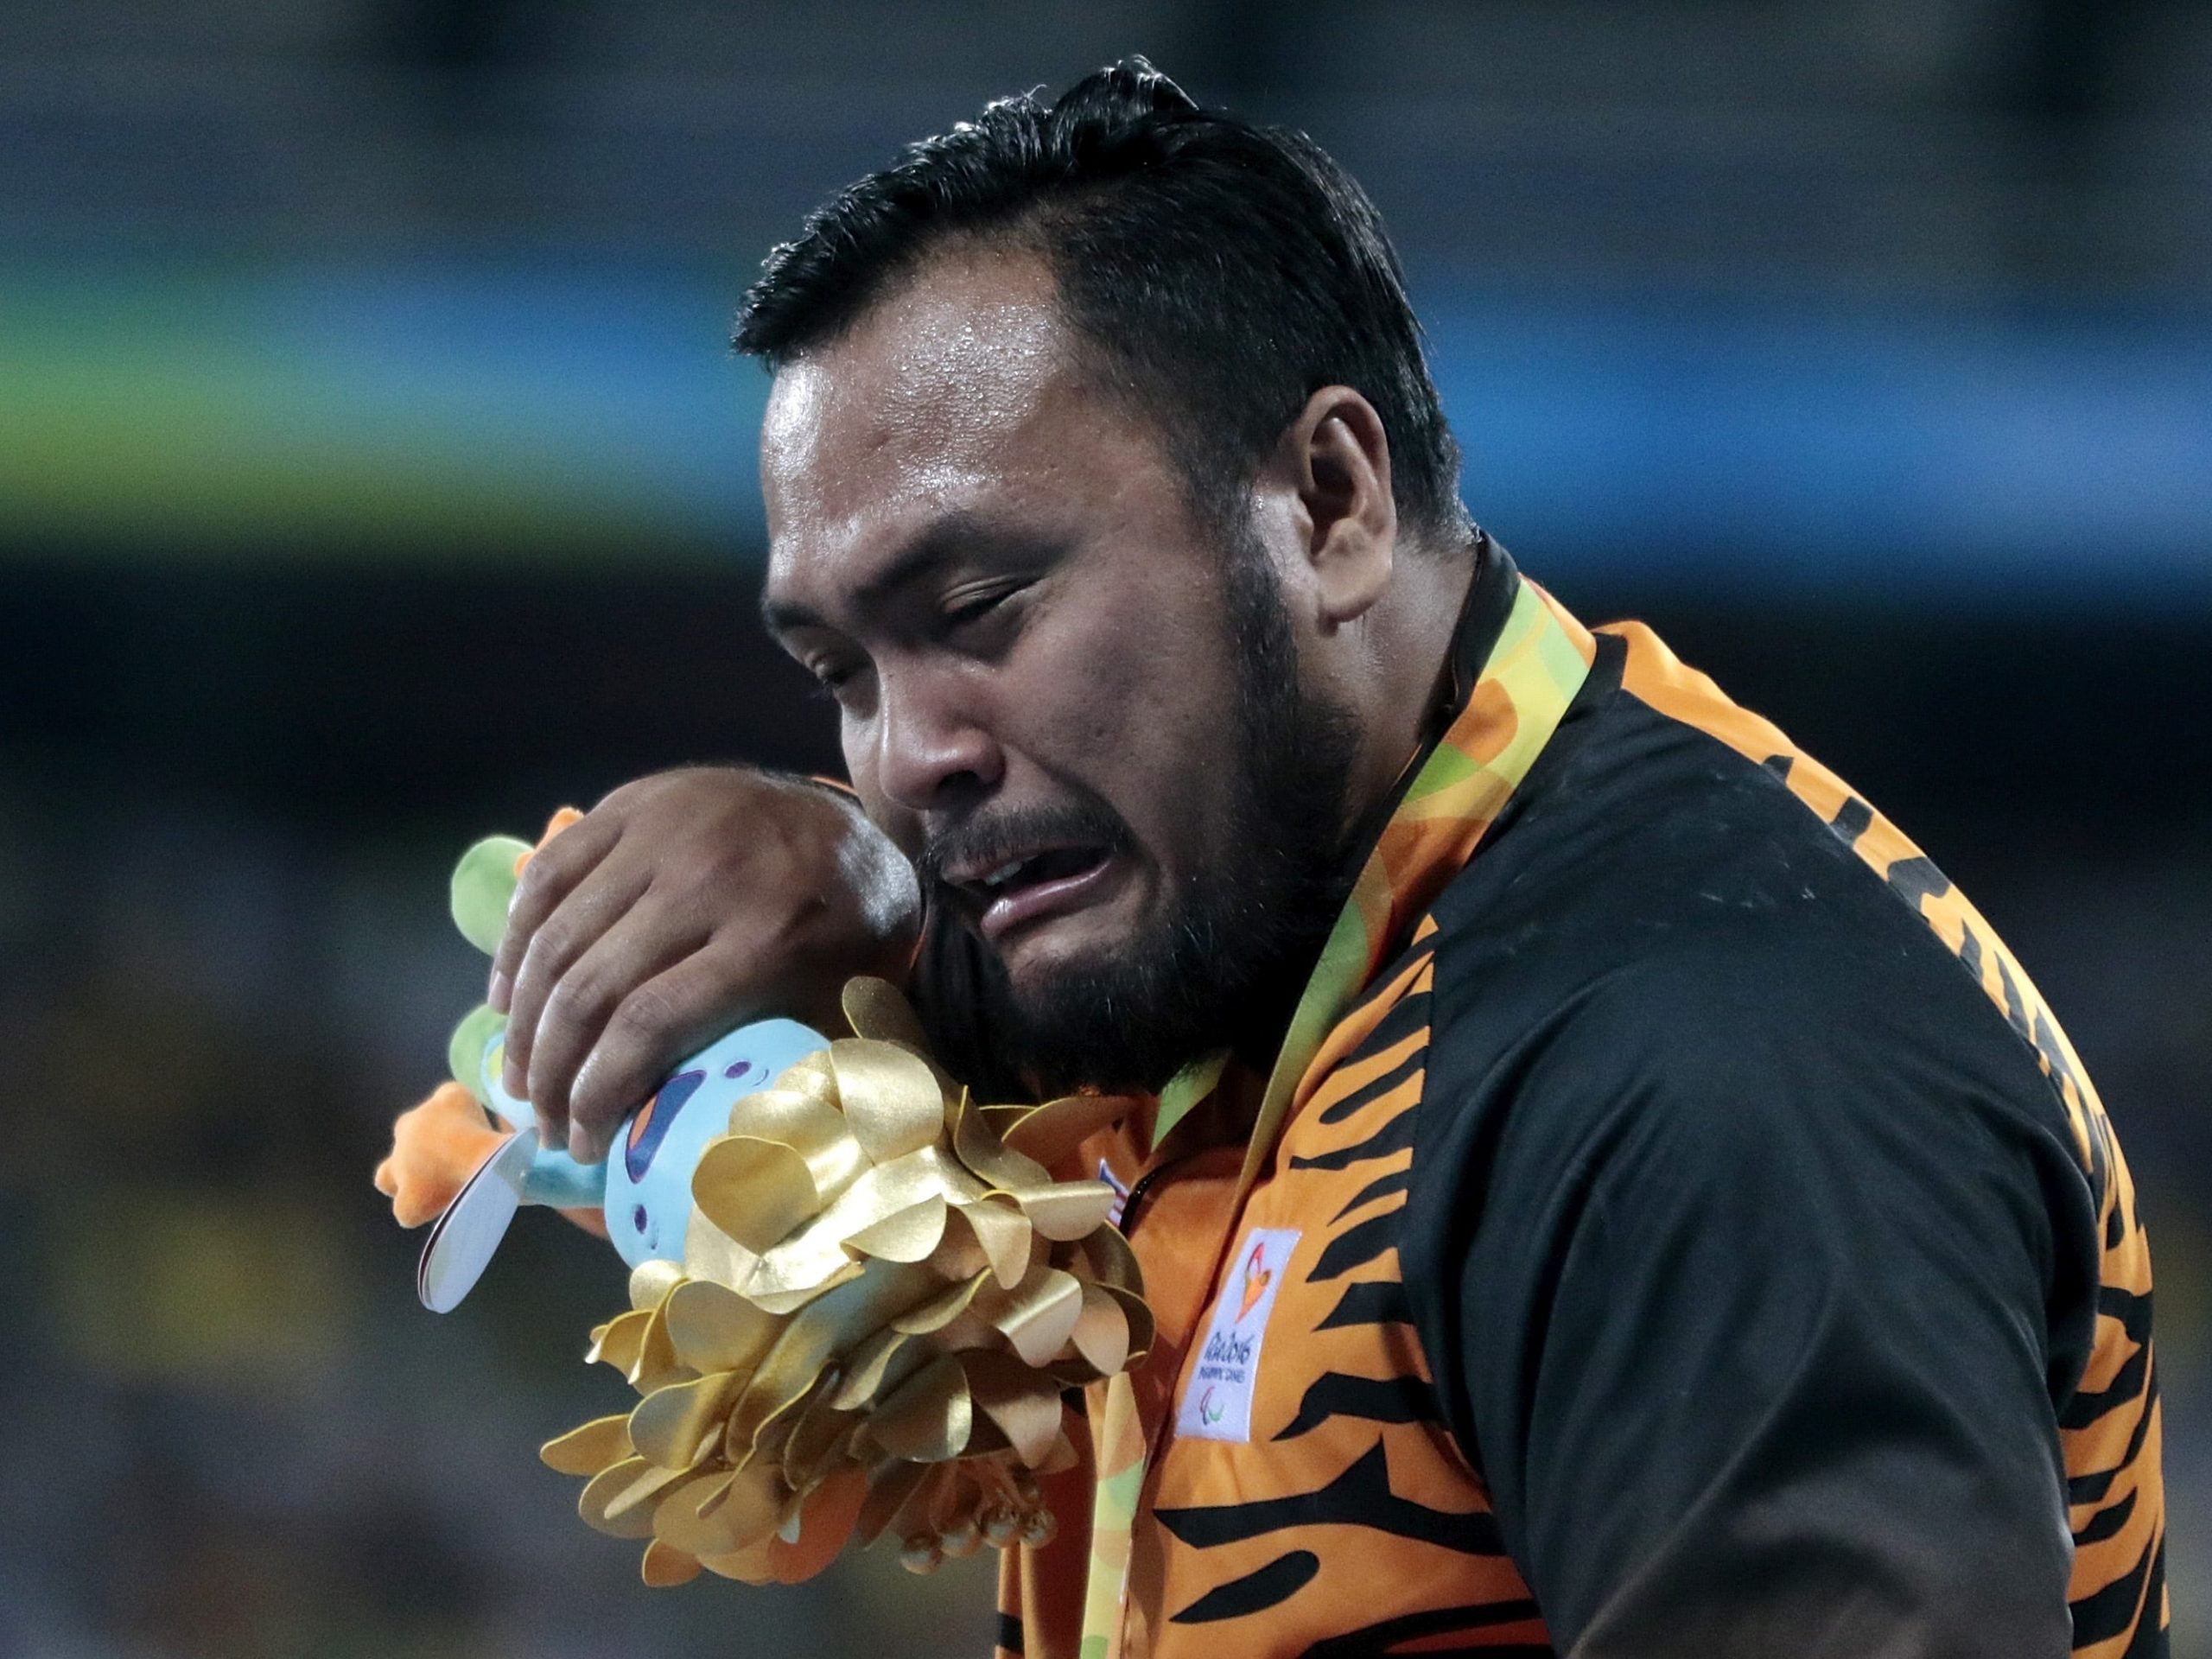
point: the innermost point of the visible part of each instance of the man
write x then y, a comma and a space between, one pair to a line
1604, 1193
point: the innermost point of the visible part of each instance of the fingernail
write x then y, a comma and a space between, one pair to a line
580, 1147
498, 992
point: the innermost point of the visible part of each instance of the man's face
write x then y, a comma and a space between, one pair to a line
1064, 697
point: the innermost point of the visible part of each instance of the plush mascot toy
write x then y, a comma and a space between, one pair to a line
855, 1293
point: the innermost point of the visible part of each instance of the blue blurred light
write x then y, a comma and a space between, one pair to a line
1834, 446
1858, 448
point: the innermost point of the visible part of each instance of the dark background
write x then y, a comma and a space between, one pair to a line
373, 476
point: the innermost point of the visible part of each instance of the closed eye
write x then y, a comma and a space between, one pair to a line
975, 606
979, 620
831, 677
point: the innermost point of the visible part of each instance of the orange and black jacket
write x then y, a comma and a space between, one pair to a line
1702, 1243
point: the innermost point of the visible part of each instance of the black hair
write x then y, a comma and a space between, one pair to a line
1222, 271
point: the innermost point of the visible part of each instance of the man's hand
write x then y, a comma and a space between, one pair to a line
682, 905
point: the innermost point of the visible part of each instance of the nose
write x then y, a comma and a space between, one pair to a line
933, 747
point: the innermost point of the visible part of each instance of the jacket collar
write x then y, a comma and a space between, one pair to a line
1516, 662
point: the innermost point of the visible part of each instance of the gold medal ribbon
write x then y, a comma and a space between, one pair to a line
1541, 659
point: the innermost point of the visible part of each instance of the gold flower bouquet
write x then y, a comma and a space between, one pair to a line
880, 1296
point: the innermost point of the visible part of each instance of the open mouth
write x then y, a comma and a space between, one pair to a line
1050, 881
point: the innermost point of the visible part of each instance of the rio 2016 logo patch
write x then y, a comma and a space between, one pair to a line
1217, 1388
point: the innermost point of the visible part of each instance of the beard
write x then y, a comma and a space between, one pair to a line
1226, 969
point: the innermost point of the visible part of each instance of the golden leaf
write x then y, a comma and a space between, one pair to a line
820, 1441
673, 1427
1111, 1260
610, 1487
755, 1191
617, 1342
1067, 1210
811, 1126
664, 1567
590, 1448
715, 1329
982, 1151
712, 1255
656, 1365
959, 1255
811, 1076
891, 1098
678, 1523
651, 1282
1101, 1331
875, 1363
1138, 1312
1024, 1406
940, 1311
1049, 1133
893, 1484
875, 1008
770, 1292
928, 1417
1037, 1317
749, 1566
908, 1234
1003, 1233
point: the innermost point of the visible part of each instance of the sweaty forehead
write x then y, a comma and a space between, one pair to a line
956, 391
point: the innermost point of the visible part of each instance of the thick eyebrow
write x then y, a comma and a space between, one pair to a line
956, 536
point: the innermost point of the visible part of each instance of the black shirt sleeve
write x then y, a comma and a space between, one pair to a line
1750, 1280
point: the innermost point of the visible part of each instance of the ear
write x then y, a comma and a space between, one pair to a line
1336, 458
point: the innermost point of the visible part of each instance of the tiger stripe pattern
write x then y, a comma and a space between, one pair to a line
1348, 1520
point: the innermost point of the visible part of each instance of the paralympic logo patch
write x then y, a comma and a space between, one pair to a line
1217, 1389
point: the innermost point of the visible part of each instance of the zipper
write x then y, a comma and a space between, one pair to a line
1072, 1395
1137, 1188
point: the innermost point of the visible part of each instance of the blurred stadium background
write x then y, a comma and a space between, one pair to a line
372, 475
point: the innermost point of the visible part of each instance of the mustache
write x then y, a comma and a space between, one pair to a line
990, 841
